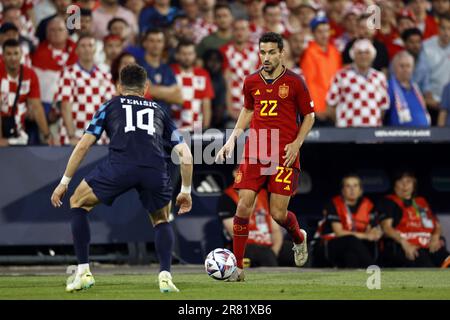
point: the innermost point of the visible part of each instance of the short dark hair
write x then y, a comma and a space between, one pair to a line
152, 31
269, 5
411, 32
185, 43
221, 5
114, 20
8, 26
85, 36
133, 76
13, 43
399, 174
272, 37
444, 17
351, 175
85, 12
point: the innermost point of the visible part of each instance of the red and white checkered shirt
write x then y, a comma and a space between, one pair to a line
240, 64
195, 86
359, 99
8, 88
201, 29
86, 91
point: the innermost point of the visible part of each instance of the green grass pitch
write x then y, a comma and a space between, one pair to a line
259, 285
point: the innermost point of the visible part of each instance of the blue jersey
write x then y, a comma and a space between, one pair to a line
139, 130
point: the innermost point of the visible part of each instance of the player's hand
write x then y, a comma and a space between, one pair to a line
411, 252
435, 244
4, 142
58, 194
374, 234
184, 201
226, 150
291, 151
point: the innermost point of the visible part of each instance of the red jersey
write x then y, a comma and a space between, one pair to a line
276, 105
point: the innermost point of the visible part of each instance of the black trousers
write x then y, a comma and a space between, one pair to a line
351, 252
393, 256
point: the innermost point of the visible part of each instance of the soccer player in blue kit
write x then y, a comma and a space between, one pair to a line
139, 131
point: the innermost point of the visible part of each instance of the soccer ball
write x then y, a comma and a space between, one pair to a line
220, 264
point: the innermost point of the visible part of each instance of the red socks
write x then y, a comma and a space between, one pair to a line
292, 227
240, 236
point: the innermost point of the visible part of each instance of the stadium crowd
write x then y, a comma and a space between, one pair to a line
366, 63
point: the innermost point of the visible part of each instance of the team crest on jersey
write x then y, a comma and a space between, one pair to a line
238, 177
257, 93
283, 91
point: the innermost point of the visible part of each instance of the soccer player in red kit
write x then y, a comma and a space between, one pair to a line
273, 99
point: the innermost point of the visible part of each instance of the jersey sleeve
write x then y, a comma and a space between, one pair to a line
249, 102
384, 98
305, 104
171, 133
98, 122
333, 93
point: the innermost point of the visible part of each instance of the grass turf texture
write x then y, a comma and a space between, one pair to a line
304, 285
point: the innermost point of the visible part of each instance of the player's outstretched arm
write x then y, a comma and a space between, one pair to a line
77, 156
292, 149
242, 123
184, 200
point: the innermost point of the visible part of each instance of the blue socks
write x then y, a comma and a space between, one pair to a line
164, 239
81, 234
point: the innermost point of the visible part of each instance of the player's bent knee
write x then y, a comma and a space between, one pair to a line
244, 210
278, 215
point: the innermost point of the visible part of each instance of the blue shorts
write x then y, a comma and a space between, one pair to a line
110, 180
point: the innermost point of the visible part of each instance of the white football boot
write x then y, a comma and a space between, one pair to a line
165, 282
237, 276
301, 251
80, 282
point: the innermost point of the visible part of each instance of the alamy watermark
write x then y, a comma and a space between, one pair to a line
374, 280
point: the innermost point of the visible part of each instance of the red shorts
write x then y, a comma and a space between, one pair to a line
280, 180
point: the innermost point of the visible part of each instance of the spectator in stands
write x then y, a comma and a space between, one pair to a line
241, 59
20, 99
196, 89
112, 46
297, 45
180, 30
213, 62
424, 21
358, 95
320, 62
265, 238
120, 27
436, 52
207, 10
163, 84
256, 19
124, 59
273, 21
394, 43
293, 22
407, 105
135, 6
351, 25
107, 10
198, 26
307, 11
440, 8
223, 19
412, 233
335, 10
365, 31
49, 59
82, 89
16, 12
444, 113
10, 31
159, 15
348, 231
412, 39
61, 11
